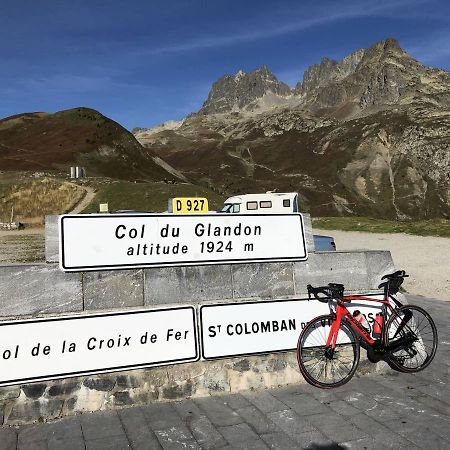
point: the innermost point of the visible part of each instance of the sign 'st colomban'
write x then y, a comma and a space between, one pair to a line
121, 241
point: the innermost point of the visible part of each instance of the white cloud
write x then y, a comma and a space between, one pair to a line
305, 19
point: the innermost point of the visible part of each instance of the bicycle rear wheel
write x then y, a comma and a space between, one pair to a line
414, 331
322, 366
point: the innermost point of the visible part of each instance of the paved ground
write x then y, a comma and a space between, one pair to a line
398, 411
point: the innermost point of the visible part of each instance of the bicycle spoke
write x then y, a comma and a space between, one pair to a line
322, 366
418, 354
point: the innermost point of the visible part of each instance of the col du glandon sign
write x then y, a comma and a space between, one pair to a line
117, 241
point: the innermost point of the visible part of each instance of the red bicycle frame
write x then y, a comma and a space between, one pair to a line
342, 311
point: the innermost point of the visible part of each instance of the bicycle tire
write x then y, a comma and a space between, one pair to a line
316, 332
418, 355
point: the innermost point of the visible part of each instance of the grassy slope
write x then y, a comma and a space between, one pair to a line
148, 196
433, 227
33, 198
79, 136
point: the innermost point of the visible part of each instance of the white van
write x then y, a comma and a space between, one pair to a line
273, 203
268, 203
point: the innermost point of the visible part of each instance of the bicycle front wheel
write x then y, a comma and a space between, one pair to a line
325, 367
412, 335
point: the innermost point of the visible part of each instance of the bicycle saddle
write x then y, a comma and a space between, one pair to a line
394, 281
398, 274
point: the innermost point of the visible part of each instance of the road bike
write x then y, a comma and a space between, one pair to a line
328, 348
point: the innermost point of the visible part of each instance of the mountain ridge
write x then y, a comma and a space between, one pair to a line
365, 135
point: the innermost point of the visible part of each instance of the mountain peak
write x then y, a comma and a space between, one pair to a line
390, 43
242, 90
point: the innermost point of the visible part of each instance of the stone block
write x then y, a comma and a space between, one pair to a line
128, 381
175, 438
161, 416
63, 387
264, 401
242, 436
35, 289
34, 390
218, 413
51, 239
68, 428
290, 423
123, 398
379, 263
265, 280
9, 393
34, 410
137, 430
28, 436
76, 443
279, 440
336, 427
99, 383
348, 268
257, 420
113, 289
205, 433
177, 390
187, 284
309, 238
101, 425
8, 438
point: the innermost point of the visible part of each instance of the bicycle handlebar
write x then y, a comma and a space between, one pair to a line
320, 290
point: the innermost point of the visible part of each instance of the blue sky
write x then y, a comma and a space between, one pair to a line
142, 62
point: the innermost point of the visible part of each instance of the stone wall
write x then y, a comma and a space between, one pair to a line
38, 290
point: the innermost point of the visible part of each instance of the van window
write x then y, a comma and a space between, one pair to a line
265, 204
236, 208
252, 205
286, 203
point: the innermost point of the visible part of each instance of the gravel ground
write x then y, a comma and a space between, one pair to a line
426, 259
22, 246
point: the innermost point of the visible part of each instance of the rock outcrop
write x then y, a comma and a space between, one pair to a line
242, 91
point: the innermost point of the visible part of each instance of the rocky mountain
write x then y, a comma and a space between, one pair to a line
367, 135
80, 136
243, 91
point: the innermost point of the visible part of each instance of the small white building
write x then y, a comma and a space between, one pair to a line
77, 172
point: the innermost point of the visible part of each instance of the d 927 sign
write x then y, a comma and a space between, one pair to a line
187, 205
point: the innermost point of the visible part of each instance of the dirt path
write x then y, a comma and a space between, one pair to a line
86, 200
425, 259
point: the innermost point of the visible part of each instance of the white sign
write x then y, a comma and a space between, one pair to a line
237, 329
117, 241
60, 347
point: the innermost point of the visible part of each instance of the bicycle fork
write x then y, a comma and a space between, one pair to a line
332, 336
